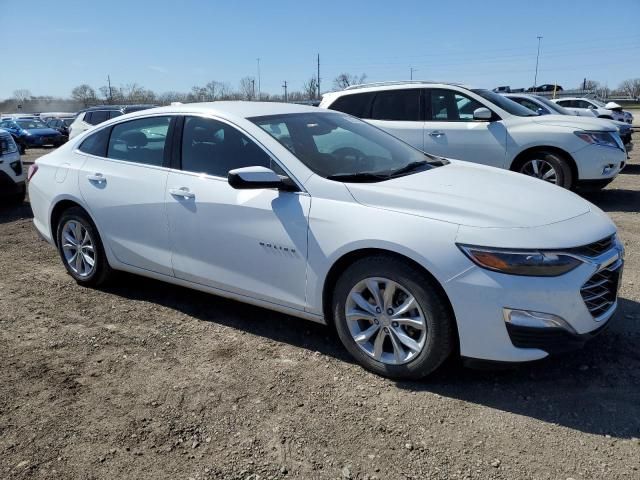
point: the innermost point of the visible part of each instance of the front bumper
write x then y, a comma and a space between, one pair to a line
38, 141
597, 162
10, 186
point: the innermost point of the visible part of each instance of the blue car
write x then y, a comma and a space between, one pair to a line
32, 133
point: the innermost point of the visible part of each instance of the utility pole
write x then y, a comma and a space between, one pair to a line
318, 76
286, 99
411, 69
259, 91
109, 83
253, 88
535, 79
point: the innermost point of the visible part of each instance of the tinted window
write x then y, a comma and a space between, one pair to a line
87, 118
396, 105
114, 113
525, 102
451, 106
582, 104
504, 103
358, 105
99, 116
96, 143
140, 141
214, 148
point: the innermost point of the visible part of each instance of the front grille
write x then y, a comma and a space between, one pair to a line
596, 248
601, 290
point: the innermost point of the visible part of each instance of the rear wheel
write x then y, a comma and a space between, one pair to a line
549, 167
81, 249
392, 318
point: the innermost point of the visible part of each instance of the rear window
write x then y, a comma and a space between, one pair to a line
96, 143
98, 116
356, 104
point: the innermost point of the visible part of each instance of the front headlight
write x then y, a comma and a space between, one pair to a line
532, 263
598, 138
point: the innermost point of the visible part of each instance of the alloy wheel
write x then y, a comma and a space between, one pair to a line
385, 321
78, 249
540, 169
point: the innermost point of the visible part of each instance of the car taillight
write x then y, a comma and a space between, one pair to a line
32, 171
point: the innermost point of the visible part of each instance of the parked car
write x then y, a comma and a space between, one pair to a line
32, 133
485, 127
46, 116
611, 110
12, 174
505, 89
96, 115
61, 125
410, 256
544, 106
547, 87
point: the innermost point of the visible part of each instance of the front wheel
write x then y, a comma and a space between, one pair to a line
81, 249
549, 167
392, 318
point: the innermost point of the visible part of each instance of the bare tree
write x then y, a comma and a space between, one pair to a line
310, 88
84, 94
631, 87
22, 95
345, 80
248, 88
168, 97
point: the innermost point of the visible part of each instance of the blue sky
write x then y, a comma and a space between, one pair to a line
50, 47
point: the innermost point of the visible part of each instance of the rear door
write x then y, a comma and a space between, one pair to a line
123, 182
399, 112
450, 130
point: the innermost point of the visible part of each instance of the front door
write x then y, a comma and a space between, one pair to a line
248, 242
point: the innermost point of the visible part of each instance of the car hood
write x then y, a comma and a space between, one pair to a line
473, 195
571, 121
41, 131
613, 106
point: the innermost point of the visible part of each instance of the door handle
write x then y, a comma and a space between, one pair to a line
96, 177
436, 133
182, 192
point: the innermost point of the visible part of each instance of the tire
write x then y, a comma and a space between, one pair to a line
431, 309
82, 272
538, 165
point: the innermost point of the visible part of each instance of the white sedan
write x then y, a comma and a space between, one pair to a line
319, 215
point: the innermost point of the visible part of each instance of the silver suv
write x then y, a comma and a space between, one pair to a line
12, 174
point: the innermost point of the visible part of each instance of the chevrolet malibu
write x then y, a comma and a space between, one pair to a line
316, 214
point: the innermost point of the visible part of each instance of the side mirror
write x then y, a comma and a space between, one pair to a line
541, 111
483, 114
258, 177
591, 107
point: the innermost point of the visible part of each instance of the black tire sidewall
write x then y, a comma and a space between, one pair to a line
99, 274
440, 336
562, 168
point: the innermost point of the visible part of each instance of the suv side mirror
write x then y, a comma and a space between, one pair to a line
541, 111
483, 114
247, 178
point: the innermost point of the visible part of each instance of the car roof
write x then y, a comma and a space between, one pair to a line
236, 108
115, 107
381, 86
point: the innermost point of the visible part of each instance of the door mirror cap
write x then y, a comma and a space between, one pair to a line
248, 178
483, 114
541, 111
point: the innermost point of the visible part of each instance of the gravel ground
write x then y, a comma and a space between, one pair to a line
148, 380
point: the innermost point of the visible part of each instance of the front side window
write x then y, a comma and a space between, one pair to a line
99, 116
525, 102
451, 106
504, 103
583, 104
141, 141
396, 105
356, 104
343, 148
214, 148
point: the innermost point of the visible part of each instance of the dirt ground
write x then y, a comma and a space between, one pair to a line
149, 380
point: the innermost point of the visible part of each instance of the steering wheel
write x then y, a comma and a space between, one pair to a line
350, 154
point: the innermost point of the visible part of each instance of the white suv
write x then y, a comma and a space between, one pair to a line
12, 175
591, 106
481, 126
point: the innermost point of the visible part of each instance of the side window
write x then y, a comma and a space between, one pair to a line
450, 106
87, 118
582, 104
529, 104
114, 113
99, 116
564, 103
356, 104
396, 105
141, 141
214, 148
96, 143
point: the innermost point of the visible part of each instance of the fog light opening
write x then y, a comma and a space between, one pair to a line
608, 169
527, 318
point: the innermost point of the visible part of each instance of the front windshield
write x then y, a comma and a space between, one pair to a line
505, 103
27, 124
340, 147
553, 106
597, 102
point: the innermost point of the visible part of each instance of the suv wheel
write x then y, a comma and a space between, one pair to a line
81, 249
392, 319
549, 167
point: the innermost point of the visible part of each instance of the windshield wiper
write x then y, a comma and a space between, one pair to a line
410, 167
360, 177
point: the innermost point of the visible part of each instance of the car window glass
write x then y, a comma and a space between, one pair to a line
114, 113
397, 105
96, 143
140, 141
99, 116
582, 104
87, 118
529, 104
450, 106
214, 148
358, 104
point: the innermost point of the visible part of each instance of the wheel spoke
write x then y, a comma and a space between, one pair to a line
549, 175
77, 232
366, 335
534, 166
408, 305
374, 287
378, 344
79, 263
88, 260
389, 292
357, 314
362, 303
398, 351
411, 322
69, 239
406, 340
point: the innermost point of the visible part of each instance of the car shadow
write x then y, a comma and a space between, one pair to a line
11, 213
595, 390
631, 169
615, 200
